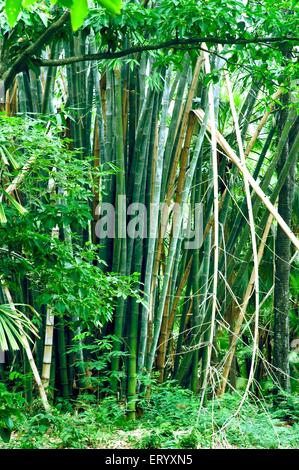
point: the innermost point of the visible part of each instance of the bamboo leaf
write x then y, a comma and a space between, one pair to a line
3, 157
6, 154
9, 334
3, 341
3, 219
15, 203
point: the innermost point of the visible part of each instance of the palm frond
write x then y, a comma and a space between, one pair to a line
14, 324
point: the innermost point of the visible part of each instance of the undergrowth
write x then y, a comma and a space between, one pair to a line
170, 419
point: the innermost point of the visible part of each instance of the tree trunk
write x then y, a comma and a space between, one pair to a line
282, 269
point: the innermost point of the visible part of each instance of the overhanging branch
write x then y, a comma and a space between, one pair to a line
35, 48
173, 43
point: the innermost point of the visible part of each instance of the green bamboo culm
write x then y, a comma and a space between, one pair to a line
63, 370
120, 242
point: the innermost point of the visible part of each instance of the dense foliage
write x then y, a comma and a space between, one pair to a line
78, 9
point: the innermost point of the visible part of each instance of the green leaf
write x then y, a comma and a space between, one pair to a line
79, 12
66, 3
114, 6
12, 8
9, 423
5, 434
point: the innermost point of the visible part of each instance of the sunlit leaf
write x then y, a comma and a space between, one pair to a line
12, 8
27, 3
3, 219
79, 12
114, 6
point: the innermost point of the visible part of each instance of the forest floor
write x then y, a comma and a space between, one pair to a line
169, 420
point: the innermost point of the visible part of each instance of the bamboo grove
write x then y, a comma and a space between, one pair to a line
180, 128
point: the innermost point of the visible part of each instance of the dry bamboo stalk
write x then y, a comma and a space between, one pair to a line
7, 103
255, 186
253, 239
11, 100
28, 351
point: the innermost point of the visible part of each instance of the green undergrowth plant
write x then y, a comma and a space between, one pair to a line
10, 405
48, 257
170, 420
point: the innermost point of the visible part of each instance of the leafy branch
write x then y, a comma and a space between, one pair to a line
172, 43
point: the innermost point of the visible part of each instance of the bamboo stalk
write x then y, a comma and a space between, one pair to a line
61, 347
49, 333
48, 347
177, 153
253, 238
207, 370
156, 192
264, 186
120, 243
172, 251
174, 126
179, 291
183, 127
